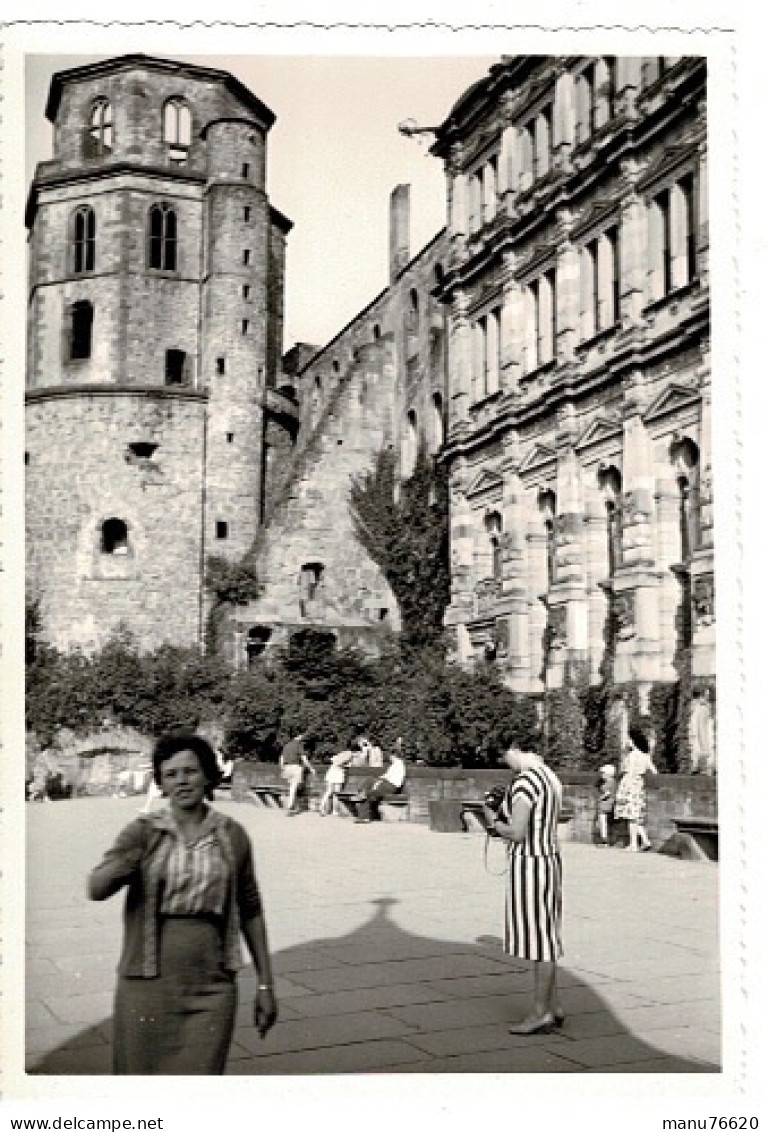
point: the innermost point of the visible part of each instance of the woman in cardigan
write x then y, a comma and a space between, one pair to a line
527, 821
191, 892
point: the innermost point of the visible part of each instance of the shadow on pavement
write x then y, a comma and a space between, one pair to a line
380, 999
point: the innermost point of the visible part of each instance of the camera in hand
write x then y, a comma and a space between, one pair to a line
494, 797
494, 800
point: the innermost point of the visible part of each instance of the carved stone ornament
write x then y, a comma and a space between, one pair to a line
631, 511
488, 590
704, 599
557, 628
624, 612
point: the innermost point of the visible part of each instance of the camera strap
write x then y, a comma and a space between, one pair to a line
488, 838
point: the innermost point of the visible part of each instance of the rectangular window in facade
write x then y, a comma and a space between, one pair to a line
175, 367
81, 331
221, 365
247, 213
672, 237
486, 354
246, 257
540, 329
600, 283
222, 529
246, 290
245, 326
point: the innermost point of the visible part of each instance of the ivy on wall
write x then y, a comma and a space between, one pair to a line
229, 584
405, 532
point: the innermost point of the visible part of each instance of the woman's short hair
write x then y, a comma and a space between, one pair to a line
176, 741
640, 739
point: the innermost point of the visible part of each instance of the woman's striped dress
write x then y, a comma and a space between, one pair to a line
534, 874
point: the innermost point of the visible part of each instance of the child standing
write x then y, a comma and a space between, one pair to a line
606, 797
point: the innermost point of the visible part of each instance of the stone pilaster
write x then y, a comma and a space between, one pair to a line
568, 293
461, 609
564, 119
632, 257
595, 539
460, 360
512, 316
636, 584
567, 603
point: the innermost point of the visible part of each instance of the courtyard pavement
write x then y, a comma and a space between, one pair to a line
386, 941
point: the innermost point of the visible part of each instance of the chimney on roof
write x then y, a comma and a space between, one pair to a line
399, 229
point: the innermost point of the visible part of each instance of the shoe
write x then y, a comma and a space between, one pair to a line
646, 848
543, 1025
558, 1017
630, 849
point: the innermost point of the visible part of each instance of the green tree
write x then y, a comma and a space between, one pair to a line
406, 535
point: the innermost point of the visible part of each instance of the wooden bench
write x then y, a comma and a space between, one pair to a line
351, 800
271, 795
695, 839
472, 816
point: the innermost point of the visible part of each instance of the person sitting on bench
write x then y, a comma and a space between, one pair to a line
391, 782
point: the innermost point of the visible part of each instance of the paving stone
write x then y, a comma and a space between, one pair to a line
47, 1038
364, 1057
610, 1050
314, 1033
513, 1060
89, 1062
81, 1007
366, 998
477, 1039
403, 971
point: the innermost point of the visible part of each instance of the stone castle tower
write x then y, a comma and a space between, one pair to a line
155, 329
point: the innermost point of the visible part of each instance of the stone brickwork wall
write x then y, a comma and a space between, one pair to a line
81, 472
311, 523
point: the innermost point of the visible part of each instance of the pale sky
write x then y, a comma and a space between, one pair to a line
334, 155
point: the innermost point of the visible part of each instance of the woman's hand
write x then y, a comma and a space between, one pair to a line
264, 1010
490, 816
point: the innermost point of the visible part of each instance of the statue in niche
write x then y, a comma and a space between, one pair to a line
557, 628
701, 734
624, 612
501, 637
704, 600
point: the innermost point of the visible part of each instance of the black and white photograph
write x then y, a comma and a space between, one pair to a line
380, 468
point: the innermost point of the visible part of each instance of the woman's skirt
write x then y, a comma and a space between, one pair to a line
630, 799
180, 1022
533, 913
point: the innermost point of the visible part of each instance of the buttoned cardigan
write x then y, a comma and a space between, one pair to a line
138, 859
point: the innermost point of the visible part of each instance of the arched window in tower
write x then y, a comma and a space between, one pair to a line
493, 527
410, 443
310, 591
114, 537
84, 240
81, 330
685, 455
438, 421
177, 129
609, 482
100, 129
548, 509
162, 237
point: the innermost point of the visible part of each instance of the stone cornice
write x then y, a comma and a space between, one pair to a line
104, 389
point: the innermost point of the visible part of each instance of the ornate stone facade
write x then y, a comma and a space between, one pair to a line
579, 378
